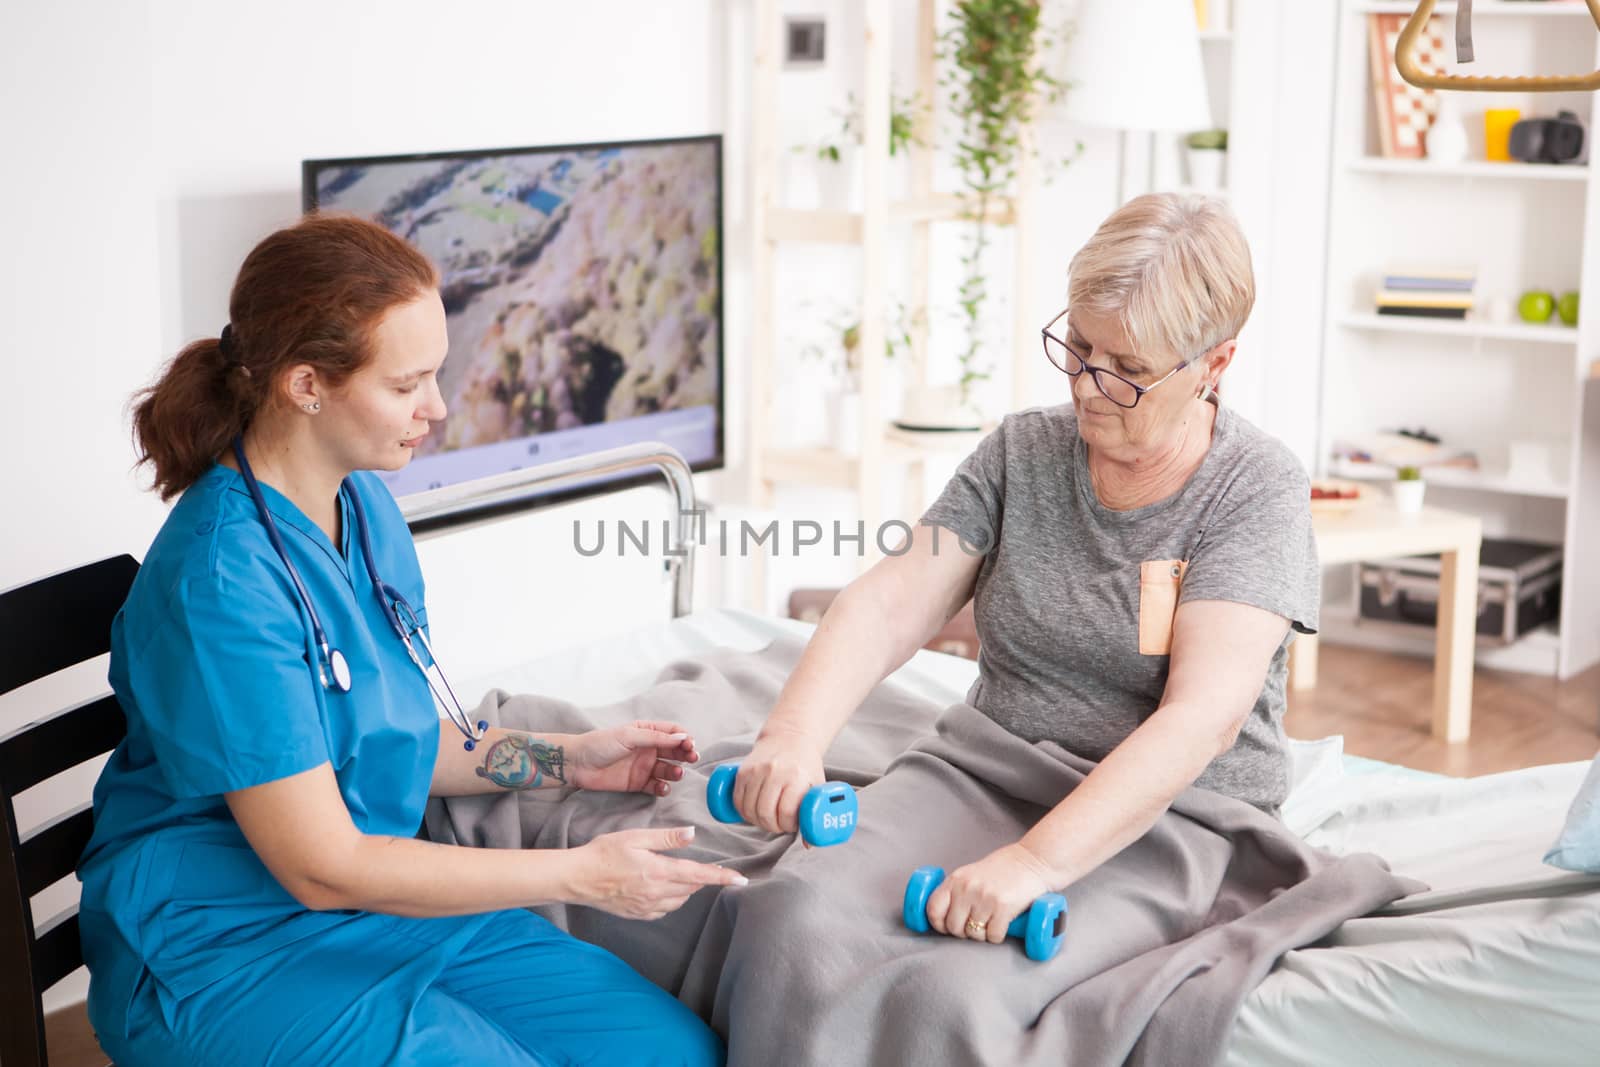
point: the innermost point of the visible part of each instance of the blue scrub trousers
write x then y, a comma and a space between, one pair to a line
507, 987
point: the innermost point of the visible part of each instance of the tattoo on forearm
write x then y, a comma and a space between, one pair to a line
518, 761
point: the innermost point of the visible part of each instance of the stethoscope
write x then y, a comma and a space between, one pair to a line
333, 671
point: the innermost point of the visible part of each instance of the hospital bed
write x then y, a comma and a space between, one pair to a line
1498, 963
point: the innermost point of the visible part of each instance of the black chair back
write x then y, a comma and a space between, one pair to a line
47, 626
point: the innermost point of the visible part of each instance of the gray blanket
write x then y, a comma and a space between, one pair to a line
810, 963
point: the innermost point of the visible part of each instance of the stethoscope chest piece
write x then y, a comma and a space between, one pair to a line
340, 669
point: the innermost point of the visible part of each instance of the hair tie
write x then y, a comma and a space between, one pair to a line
225, 346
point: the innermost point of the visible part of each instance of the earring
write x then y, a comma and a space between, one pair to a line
313, 407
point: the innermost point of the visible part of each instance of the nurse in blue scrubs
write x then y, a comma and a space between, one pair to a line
254, 892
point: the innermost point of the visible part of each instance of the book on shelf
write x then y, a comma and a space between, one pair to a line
1413, 312
1430, 293
1439, 283
1429, 298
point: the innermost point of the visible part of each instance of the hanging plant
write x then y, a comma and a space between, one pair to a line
996, 82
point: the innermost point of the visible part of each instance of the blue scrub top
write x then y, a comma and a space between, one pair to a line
213, 662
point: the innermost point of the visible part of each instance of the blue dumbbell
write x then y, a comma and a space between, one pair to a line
827, 812
1040, 928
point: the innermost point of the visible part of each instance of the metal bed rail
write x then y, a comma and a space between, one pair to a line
469, 497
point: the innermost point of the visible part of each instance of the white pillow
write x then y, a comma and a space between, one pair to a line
1578, 847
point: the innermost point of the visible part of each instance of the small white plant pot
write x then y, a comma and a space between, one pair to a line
844, 421
940, 407
1446, 140
821, 184
1206, 168
839, 184
1408, 496
802, 181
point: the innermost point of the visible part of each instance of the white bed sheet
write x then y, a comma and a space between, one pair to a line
619, 666
1499, 963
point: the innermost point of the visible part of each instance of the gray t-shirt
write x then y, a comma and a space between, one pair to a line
1058, 592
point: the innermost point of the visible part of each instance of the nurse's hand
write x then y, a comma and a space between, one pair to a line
621, 873
642, 757
773, 780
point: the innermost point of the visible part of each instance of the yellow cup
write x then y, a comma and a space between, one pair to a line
1497, 123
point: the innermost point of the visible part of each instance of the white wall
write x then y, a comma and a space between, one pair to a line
150, 144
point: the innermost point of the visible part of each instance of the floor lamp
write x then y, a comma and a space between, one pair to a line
1134, 65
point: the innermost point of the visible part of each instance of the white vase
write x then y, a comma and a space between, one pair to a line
1447, 137
1408, 496
802, 180
939, 407
1205, 168
812, 183
844, 421
840, 183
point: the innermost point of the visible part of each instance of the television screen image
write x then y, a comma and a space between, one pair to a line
582, 288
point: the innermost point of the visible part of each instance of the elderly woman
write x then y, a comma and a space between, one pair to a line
1138, 558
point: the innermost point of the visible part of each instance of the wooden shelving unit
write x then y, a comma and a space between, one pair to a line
880, 221
1489, 381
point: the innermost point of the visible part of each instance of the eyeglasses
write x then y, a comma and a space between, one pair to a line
1114, 387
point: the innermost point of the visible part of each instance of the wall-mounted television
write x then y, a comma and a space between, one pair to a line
582, 286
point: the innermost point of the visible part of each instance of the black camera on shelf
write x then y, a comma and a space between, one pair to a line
1557, 140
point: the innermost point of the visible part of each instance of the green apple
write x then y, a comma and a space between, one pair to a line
1567, 308
1536, 306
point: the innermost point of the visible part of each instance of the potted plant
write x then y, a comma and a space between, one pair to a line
904, 111
837, 157
996, 80
1206, 150
1408, 489
842, 357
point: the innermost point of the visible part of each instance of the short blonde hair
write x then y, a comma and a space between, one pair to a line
1173, 268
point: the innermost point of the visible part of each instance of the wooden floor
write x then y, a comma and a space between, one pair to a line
1382, 704
70, 1038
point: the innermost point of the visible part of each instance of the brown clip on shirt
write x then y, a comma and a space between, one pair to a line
1075, 601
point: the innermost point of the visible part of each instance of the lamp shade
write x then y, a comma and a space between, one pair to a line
1135, 65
